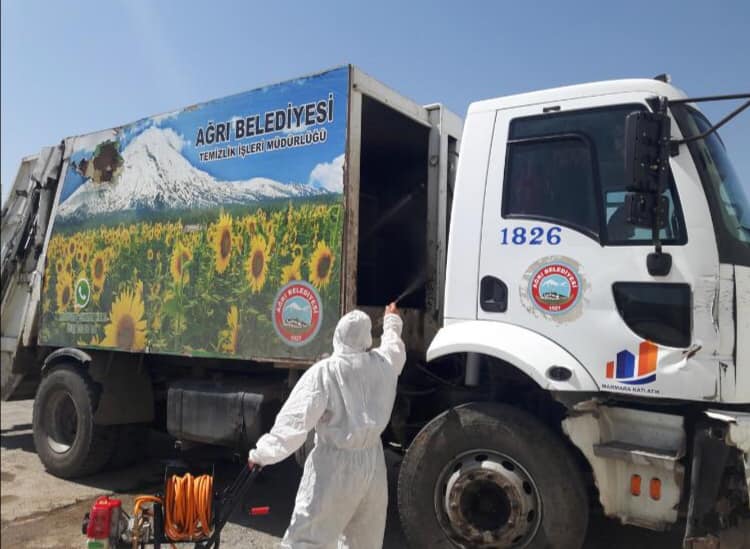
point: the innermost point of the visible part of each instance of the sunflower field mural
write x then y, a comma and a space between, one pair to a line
175, 236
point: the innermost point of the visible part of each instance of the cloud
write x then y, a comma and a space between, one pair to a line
329, 175
297, 307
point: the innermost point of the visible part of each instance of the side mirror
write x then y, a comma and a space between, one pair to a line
646, 163
646, 210
645, 159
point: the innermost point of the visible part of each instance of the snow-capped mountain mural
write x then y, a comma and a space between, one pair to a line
154, 175
214, 231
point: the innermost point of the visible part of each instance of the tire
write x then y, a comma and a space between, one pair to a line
468, 467
130, 441
67, 440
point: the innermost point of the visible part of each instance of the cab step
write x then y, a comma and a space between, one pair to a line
636, 454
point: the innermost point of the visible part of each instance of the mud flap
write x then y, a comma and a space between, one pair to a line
714, 439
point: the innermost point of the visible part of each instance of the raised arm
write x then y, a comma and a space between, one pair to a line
392, 348
297, 417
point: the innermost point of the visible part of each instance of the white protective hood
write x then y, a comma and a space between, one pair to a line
353, 334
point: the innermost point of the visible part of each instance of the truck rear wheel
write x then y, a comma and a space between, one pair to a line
489, 475
67, 440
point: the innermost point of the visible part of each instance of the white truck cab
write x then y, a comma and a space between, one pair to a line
540, 202
637, 326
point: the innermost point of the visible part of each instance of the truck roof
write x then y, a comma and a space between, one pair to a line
609, 87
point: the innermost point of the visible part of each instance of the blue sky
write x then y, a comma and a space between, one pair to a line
75, 67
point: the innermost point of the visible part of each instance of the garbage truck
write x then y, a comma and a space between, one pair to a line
576, 264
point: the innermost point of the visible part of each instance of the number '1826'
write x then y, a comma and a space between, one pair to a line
535, 236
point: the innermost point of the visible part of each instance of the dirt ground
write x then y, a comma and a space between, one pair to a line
41, 511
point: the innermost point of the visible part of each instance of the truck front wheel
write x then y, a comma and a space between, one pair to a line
489, 475
67, 440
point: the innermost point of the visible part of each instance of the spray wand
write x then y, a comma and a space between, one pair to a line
417, 283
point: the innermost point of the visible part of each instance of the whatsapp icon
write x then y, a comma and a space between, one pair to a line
83, 293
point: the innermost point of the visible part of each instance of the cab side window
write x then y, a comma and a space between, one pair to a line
552, 179
569, 168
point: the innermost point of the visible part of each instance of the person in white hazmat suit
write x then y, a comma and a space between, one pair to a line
347, 398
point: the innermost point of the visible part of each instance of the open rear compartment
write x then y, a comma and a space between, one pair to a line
399, 179
392, 247
387, 206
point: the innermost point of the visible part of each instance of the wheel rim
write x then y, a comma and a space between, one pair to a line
486, 499
61, 422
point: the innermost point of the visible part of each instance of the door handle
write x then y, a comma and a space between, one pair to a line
493, 295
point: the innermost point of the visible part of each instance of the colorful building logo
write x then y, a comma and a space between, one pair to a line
297, 313
554, 288
623, 370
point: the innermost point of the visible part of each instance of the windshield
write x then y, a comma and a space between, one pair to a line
728, 197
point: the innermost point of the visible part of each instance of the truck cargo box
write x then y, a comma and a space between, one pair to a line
243, 227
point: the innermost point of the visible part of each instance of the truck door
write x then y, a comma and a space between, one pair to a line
554, 233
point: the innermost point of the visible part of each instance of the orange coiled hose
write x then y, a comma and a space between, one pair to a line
187, 507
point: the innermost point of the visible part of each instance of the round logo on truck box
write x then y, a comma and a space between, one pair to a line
297, 313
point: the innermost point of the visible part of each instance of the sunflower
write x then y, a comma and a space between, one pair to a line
150, 254
250, 225
270, 230
72, 247
231, 333
59, 266
237, 242
181, 256
127, 327
96, 295
293, 271
64, 288
99, 269
257, 264
154, 291
321, 265
156, 322
222, 242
